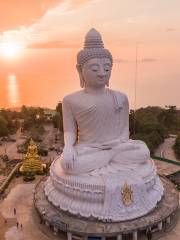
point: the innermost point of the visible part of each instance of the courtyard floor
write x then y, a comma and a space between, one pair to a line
19, 195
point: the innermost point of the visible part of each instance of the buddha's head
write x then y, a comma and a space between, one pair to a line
94, 62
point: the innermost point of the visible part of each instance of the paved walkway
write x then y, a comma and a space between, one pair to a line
21, 198
165, 150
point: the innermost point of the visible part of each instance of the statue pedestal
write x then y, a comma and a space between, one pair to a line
165, 214
112, 197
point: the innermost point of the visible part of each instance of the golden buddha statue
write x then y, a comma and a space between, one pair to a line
32, 161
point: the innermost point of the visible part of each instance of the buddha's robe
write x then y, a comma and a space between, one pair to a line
102, 124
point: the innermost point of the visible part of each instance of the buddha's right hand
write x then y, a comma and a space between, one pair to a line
69, 156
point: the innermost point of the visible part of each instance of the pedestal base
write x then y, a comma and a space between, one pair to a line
161, 219
110, 197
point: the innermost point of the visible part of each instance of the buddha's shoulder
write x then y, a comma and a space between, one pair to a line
120, 95
73, 97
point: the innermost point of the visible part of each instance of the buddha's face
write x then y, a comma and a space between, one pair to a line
96, 72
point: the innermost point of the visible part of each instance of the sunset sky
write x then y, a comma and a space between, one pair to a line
39, 40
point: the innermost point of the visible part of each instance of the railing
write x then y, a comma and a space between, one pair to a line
166, 160
9, 177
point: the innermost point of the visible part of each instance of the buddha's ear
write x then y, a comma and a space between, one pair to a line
78, 67
81, 80
107, 84
80, 75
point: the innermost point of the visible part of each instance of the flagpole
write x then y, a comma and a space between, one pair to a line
135, 87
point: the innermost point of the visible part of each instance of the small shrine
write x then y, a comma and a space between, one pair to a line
32, 162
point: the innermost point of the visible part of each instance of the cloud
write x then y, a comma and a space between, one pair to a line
170, 29
51, 24
18, 12
53, 45
77, 3
148, 60
143, 60
120, 60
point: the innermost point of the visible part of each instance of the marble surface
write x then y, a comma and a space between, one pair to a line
98, 148
168, 206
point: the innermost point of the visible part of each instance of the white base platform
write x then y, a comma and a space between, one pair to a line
101, 197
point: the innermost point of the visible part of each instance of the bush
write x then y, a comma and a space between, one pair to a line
30, 176
42, 151
58, 122
176, 147
152, 124
3, 127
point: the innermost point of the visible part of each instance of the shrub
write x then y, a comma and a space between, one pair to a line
30, 176
176, 147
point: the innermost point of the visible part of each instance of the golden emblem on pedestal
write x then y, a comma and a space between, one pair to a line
127, 194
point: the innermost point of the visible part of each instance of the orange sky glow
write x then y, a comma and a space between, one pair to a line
39, 41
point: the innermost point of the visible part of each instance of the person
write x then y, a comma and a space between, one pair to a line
14, 211
100, 116
17, 224
149, 233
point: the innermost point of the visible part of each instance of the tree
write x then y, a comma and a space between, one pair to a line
58, 122
169, 117
33, 117
147, 126
3, 127
58, 118
59, 108
177, 147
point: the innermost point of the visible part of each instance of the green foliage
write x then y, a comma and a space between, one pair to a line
58, 121
147, 126
29, 176
33, 121
177, 147
36, 132
59, 108
169, 118
9, 122
33, 117
3, 127
42, 151
58, 118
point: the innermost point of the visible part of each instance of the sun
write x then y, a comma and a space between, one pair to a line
11, 49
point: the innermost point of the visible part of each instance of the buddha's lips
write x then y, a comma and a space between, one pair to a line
100, 79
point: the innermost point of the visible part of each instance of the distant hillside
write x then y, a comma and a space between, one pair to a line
153, 124
150, 124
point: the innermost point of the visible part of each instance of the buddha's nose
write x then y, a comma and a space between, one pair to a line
101, 73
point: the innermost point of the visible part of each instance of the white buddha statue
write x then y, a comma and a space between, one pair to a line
99, 160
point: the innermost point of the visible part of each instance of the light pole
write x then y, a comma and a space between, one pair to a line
135, 88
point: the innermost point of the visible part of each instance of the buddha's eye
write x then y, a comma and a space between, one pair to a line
107, 68
95, 68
